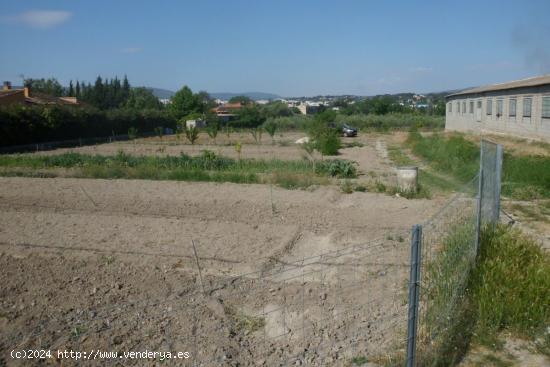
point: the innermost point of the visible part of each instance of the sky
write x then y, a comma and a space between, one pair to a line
286, 47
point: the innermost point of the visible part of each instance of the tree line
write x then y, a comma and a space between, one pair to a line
104, 94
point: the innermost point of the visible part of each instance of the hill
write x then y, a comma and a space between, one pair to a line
161, 93
252, 95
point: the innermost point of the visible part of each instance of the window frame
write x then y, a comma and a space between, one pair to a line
530, 106
489, 111
510, 100
545, 97
500, 107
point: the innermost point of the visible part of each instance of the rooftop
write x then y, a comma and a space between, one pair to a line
529, 82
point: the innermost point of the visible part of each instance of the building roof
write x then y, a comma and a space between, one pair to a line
9, 92
529, 82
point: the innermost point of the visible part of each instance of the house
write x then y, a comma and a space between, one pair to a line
308, 107
227, 111
519, 108
9, 96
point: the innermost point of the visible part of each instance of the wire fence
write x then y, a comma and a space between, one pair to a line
331, 308
447, 247
380, 301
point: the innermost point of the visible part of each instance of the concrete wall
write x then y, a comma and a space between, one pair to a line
478, 121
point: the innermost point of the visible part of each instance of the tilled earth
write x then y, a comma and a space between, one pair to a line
286, 277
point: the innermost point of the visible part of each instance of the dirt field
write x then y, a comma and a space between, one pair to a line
109, 264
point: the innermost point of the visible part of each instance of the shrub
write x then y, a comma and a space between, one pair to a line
21, 124
271, 127
338, 168
192, 134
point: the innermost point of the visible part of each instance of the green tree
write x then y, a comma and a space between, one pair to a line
184, 103
71, 89
250, 116
192, 134
77, 89
142, 98
125, 92
47, 86
212, 130
324, 136
271, 127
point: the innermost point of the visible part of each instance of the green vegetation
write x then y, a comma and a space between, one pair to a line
427, 180
510, 288
270, 127
524, 177
325, 139
21, 124
391, 121
212, 130
192, 134
359, 360
206, 167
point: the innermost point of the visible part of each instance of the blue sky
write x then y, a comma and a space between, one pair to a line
287, 47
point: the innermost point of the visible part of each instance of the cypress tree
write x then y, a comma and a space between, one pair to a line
71, 89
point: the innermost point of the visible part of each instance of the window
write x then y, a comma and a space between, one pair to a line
500, 107
512, 107
458, 108
489, 106
546, 107
449, 107
471, 106
479, 104
463, 107
527, 106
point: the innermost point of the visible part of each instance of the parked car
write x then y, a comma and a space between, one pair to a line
348, 130
344, 129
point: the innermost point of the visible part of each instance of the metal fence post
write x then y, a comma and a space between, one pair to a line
498, 174
414, 294
479, 197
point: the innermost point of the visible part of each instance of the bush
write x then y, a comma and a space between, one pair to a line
21, 124
337, 168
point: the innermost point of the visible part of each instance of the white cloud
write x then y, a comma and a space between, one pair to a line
41, 19
131, 50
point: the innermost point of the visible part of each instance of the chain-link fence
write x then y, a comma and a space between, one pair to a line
444, 251
339, 307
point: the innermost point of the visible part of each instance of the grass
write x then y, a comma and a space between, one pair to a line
248, 324
532, 212
508, 290
359, 360
523, 177
427, 181
206, 167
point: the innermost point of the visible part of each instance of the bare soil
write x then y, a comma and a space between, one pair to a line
289, 277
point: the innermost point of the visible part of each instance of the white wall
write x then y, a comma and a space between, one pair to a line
534, 127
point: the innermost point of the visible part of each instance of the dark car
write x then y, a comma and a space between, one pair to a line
348, 130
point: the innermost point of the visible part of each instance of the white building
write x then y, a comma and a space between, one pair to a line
520, 108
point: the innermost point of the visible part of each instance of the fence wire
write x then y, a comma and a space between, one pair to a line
449, 247
324, 309
331, 308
